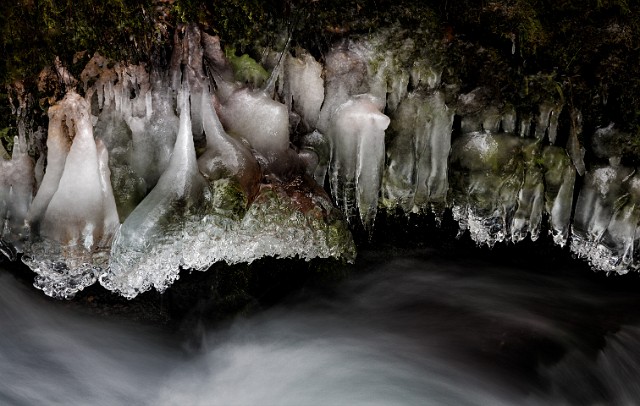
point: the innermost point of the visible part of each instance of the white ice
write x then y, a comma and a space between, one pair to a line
73, 215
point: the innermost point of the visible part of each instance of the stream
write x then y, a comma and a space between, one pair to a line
412, 327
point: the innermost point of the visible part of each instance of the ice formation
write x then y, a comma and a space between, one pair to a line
157, 170
16, 192
503, 185
415, 176
153, 171
73, 215
607, 217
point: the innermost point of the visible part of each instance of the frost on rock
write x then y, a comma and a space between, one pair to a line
73, 216
415, 176
606, 218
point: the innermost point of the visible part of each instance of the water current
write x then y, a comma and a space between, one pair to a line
411, 327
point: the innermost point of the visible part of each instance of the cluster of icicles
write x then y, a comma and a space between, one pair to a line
148, 173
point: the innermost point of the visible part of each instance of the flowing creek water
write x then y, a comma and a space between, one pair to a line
409, 327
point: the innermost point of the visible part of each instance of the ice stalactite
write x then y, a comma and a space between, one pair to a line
267, 130
354, 123
547, 120
559, 182
147, 249
487, 171
503, 185
575, 150
225, 156
607, 213
606, 218
415, 175
16, 193
73, 216
357, 132
194, 163
304, 87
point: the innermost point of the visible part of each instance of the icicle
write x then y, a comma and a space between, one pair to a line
416, 172
606, 217
528, 216
559, 180
73, 214
547, 120
486, 177
304, 86
357, 132
147, 249
576, 151
225, 156
16, 192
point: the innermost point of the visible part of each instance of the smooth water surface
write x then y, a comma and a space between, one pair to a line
410, 328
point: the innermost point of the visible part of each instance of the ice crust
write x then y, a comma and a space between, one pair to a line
154, 171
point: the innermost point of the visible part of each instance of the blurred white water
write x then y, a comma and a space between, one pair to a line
410, 329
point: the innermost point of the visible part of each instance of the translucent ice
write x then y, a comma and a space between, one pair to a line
417, 157
357, 134
304, 86
606, 218
74, 215
559, 181
252, 115
16, 192
226, 156
486, 176
547, 120
146, 249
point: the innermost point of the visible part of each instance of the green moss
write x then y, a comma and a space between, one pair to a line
246, 69
6, 140
228, 199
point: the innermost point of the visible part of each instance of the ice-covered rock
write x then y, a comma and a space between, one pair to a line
200, 165
73, 216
